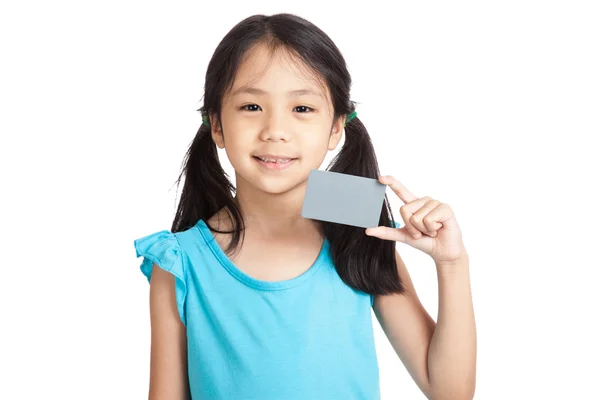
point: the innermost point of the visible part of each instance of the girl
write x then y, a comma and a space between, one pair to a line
249, 300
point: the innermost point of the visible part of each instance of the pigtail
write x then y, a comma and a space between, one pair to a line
207, 187
364, 262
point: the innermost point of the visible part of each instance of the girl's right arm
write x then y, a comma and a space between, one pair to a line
168, 352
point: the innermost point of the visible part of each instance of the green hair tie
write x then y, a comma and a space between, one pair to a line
205, 120
350, 117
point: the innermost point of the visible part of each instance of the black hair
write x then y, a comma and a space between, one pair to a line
365, 263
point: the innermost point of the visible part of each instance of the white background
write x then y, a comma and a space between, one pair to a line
491, 107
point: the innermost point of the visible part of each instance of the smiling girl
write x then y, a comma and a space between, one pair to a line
248, 299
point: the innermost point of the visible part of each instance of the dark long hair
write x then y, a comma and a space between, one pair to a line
363, 262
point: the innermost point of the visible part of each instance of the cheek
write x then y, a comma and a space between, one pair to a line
319, 143
237, 148
237, 157
315, 148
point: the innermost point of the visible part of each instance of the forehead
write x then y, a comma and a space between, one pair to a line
265, 71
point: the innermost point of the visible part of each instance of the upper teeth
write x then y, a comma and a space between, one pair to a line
275, 160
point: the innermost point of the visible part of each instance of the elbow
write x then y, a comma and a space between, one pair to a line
457, 387
452, 396
462, 393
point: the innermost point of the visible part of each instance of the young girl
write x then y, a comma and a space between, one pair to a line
248, 299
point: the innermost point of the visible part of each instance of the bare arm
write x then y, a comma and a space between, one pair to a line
409, 328
440, 356
453, 349
168, 352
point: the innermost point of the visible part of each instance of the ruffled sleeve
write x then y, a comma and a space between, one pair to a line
163, 249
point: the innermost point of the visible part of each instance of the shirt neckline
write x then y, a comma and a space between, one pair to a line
251, 281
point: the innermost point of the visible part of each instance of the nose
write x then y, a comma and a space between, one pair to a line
276, 128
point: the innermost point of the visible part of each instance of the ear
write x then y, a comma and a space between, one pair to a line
336, 132
216, 132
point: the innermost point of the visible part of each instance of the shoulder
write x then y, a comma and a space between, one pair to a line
158, 246
162, 250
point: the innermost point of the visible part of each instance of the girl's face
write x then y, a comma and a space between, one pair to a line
275, 108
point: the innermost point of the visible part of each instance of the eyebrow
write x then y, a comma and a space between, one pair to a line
291, 93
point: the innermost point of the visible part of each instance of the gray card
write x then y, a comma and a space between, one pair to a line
343, 199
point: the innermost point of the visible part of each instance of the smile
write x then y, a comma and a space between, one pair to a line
275, 163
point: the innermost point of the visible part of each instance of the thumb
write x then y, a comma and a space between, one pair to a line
386, 233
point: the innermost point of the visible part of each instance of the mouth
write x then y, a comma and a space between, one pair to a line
275, 162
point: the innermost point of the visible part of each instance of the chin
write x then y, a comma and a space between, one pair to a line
278, 186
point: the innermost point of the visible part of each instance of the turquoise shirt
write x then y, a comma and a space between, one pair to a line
310, 337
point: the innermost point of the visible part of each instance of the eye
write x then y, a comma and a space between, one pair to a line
248, 105
304, 107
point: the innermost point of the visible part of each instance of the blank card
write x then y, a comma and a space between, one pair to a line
343, 199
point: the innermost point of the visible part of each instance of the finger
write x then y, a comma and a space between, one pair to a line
407, 211
401, 191
439, 216
432, 220
418, 217
387, 233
